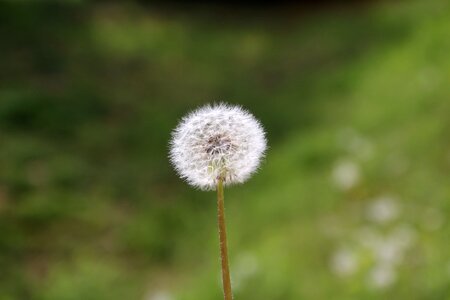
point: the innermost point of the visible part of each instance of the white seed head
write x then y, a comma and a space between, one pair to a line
218, 141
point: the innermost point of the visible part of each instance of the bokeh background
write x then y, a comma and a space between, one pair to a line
353, 198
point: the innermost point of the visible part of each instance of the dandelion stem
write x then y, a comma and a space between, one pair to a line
226, 281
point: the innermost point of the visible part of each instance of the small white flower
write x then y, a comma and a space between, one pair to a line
344, 262
383, 209
382, 277
247, 266
159, 295
389, 252
346, 174
218, 141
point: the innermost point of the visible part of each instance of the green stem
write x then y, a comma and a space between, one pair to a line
226, 280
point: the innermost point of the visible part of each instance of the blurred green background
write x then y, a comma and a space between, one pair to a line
353, 198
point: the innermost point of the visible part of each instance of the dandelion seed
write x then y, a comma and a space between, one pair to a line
247, 266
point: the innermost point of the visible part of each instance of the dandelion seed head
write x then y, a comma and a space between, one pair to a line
217, 141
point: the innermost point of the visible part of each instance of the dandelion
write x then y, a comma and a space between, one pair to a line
213, 147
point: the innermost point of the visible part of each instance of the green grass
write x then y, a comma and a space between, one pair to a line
91, 209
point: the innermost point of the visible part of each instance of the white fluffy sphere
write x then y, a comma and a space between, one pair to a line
218, 141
